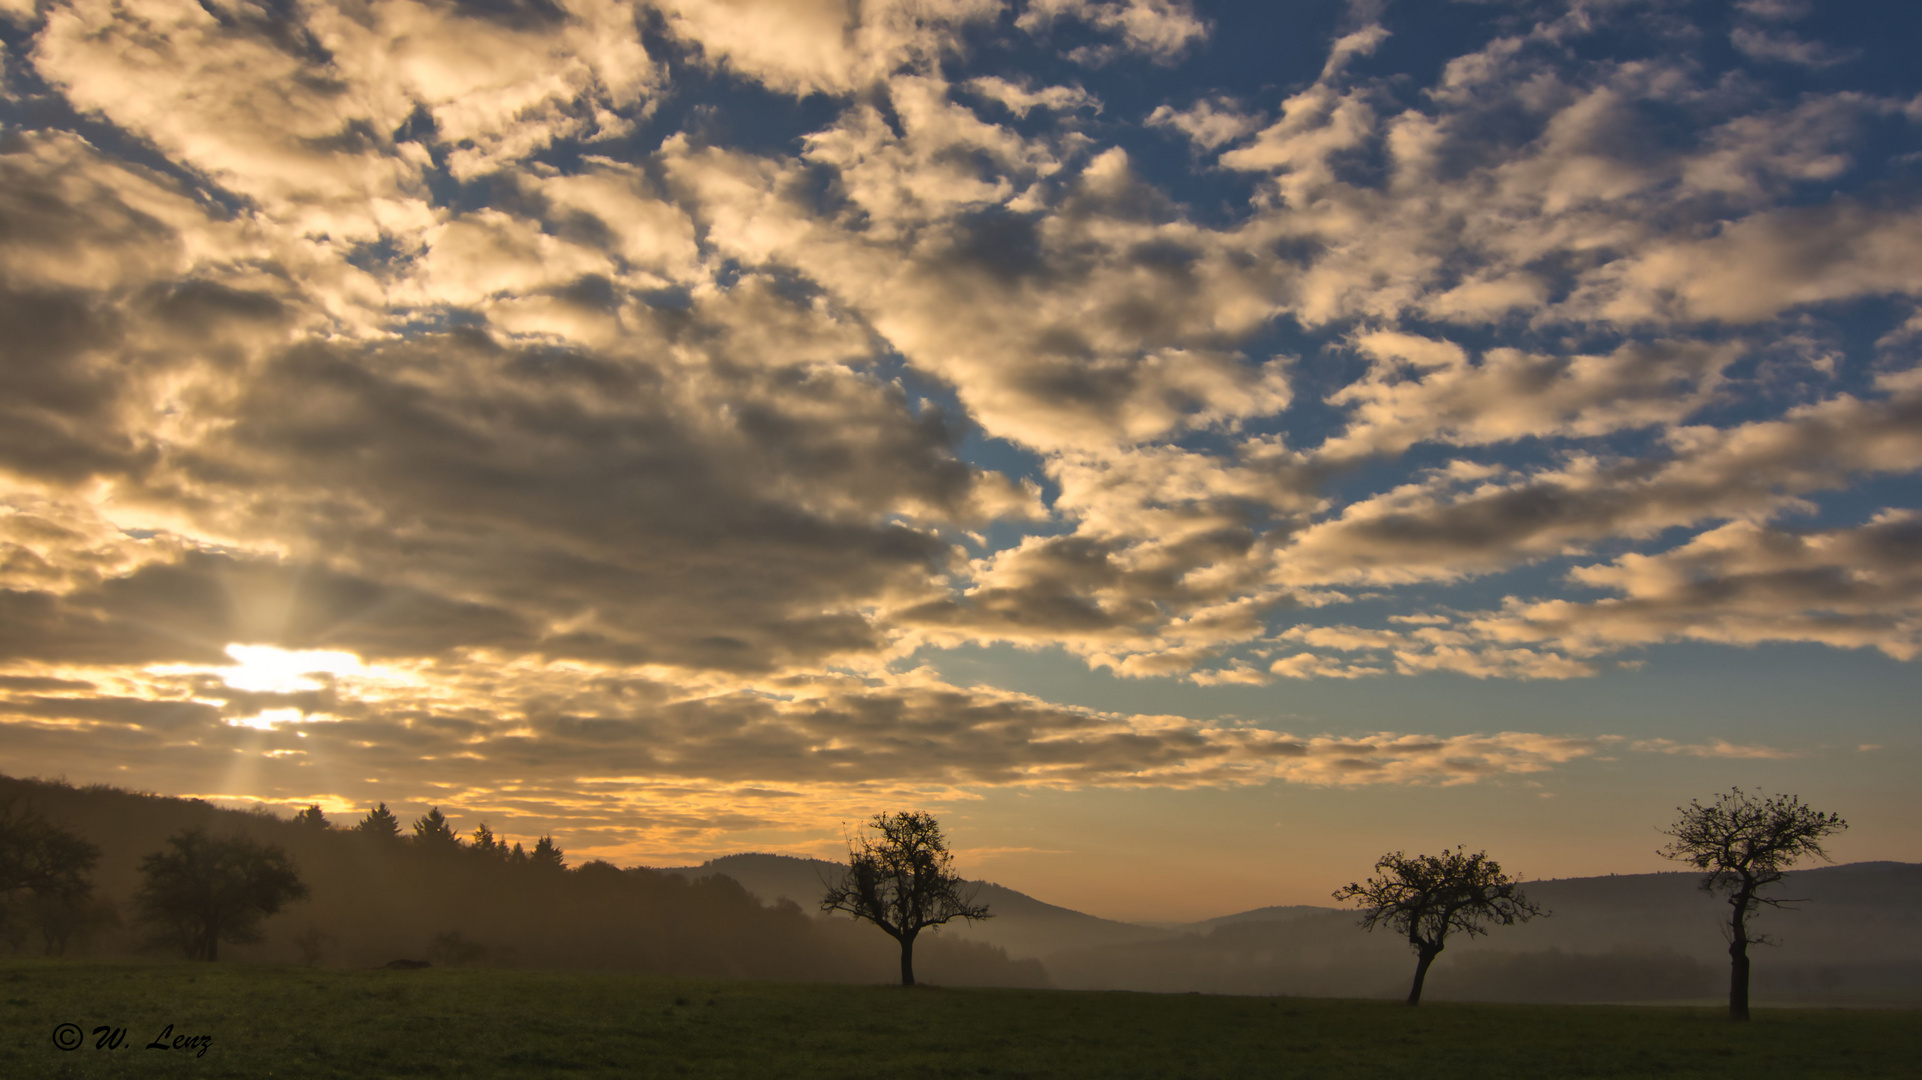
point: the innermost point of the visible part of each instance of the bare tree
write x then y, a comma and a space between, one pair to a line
1745, 843
1427, 897
902, 880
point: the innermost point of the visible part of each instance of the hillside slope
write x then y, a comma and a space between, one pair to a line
1856, 939
1022, 925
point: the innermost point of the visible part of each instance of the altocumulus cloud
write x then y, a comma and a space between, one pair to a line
638, 452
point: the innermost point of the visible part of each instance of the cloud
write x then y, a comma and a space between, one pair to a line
831, 46
1161, 30
454, 337
1719, 748
1785, 48
1020, 99
1470, 520
566, 723
1744, 583
1763, 265
1419, 389
1208, 123
1311, 666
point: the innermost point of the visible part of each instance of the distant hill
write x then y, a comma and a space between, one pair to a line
1639, 937
1022, 925
1284, 913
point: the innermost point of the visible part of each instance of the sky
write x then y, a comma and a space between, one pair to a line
1191, 448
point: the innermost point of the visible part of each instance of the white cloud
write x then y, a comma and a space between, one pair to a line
1020, 99
1208, 123
1744, 583
1161, 30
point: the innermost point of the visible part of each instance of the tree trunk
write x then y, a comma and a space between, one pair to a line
1738, 969
1738, 957
907, 960
1425, 957
212, 948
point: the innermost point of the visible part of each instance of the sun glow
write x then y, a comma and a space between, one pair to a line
269, 669
267, 719
266, 669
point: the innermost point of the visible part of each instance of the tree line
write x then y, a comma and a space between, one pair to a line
201, 889
378, 890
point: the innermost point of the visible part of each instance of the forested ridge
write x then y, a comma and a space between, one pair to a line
375, 899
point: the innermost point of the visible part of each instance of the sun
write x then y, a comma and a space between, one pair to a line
268, 669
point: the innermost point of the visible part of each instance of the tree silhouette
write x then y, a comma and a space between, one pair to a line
43, 879
547, 856
381, 823
72, 920
433, 834
1428, 896
902, 881
313, 942
1746, 843
312, 818
486, 843
209, 889
39, 857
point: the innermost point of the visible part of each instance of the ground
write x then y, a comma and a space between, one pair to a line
262, 1021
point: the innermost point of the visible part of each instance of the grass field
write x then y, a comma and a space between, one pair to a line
298, 1022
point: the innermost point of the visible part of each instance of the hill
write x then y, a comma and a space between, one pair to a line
1022, 925
1857, 939
375, 900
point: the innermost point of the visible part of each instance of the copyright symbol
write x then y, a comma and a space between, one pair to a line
68, 1037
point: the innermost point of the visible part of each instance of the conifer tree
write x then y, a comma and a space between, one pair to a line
486, 843
380, 822
432, 833
547, 856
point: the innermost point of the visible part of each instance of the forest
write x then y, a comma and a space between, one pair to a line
421, 893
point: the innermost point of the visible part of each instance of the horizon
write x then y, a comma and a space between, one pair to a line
1235, 439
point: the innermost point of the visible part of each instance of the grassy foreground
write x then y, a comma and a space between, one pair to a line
297, 1022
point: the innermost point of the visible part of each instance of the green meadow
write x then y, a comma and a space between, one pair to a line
263, 1021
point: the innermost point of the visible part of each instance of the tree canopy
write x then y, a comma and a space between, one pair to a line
1744, 843
44, 879
38, 856
433, 833
547, 855
901, 878
380, 822
204, 890
1427, 897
